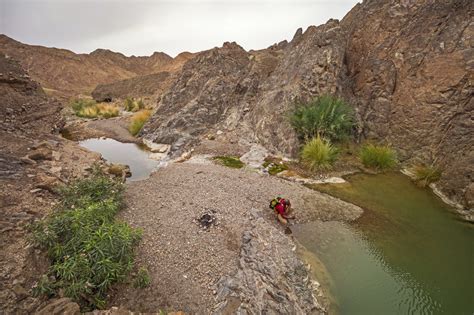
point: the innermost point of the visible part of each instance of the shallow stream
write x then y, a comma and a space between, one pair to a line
137, 157
408, 254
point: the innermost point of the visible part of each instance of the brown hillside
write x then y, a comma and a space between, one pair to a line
64, 74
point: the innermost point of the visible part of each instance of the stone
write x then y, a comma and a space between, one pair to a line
59, 307
42, 153
20, 292
46, 182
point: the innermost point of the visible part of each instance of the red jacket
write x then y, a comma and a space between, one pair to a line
281, 207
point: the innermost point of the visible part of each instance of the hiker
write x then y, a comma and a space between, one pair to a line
282, 209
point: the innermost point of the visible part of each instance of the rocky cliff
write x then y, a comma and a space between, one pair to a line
64, 74
405, 66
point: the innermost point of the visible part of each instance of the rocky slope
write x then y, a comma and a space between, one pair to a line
33, 162
63, 73
405, 66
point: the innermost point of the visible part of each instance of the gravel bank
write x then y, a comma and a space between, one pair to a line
185, 261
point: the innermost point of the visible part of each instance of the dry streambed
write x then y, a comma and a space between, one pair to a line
239, 259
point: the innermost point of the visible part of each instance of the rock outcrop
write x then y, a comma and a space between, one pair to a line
63, 73
271, 279
405, 66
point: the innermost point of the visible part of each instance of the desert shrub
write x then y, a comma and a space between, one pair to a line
129, 105
229, 161
88, 250
319, 154
107, 110
380, 157
142, 279
327, 116
90, 109
425, 175
132, 105
81, 103
138, 120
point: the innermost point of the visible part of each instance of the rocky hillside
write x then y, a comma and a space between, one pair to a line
63, 73
145, 86
405, 66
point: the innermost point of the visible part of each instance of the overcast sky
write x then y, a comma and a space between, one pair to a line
142, 27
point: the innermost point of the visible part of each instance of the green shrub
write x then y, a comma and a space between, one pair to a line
319, 154
275, 168
88, 250
229, 161
131, 105
327, 116
425, 175
143, 279
138, 120
380, 157
81, 103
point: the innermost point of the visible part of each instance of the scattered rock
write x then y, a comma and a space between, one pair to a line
20, 292
62, 306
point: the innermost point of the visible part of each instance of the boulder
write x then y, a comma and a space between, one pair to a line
62, 306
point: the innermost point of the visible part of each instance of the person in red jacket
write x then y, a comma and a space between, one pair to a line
284, 211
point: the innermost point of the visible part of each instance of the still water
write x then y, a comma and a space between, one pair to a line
408, 254
131, 154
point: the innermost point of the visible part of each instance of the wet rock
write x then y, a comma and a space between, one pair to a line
119, 170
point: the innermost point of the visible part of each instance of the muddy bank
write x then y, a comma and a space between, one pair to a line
187, 262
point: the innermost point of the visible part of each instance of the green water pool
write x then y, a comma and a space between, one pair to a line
408, 254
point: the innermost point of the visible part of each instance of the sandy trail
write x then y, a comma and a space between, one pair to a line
184, 261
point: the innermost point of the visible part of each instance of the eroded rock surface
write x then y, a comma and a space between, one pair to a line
405, 66
271, 279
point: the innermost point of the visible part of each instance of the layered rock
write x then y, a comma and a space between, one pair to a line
405, 66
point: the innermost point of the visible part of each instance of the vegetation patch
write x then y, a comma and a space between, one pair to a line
229, 161
142, 279
319, 154
132, 105
87, 108
425, 175
88, 249
138, 120
327, 116
275, 167
380, 157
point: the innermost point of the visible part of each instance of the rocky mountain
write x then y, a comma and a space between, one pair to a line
63, 73
405, 66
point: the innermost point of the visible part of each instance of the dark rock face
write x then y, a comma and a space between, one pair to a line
405, 66
411, 70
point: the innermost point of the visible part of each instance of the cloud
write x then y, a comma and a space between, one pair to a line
142, 27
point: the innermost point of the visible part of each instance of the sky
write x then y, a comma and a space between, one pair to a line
142, 27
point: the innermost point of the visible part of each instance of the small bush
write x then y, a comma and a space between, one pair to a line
425, 175
275, 168
143, 279
327, 116
229, 161
90, 109
380, 157
131, 105
138, 120
80, 103
89, 251
319, 154
107, 110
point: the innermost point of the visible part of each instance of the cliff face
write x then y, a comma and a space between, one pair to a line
64, 74
406, 68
